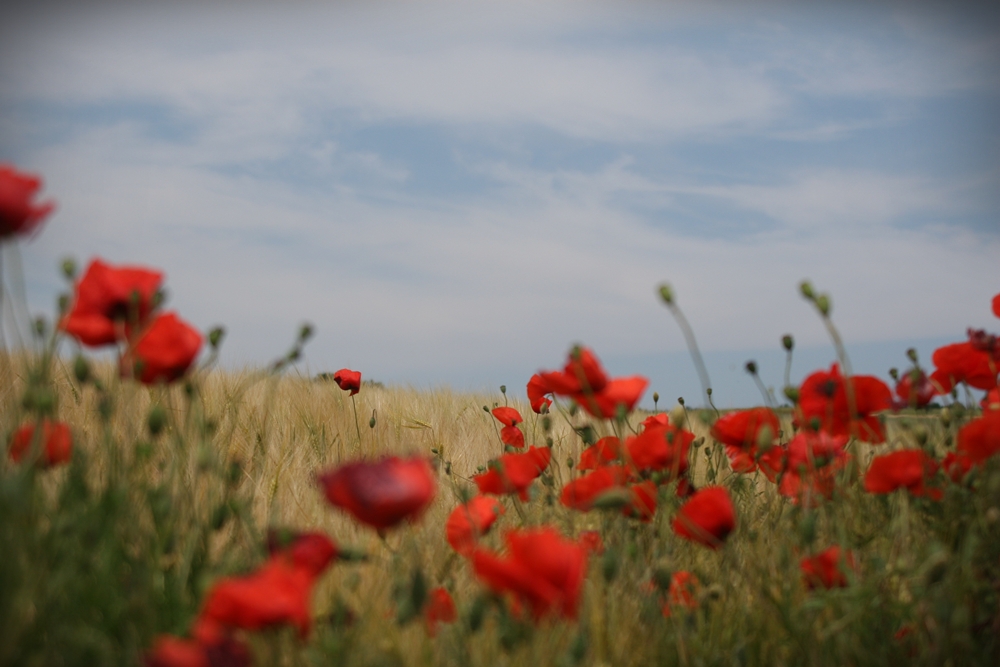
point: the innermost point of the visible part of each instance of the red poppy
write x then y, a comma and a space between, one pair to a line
956, 466
740, 433
905, 469
108, 301
514, 473
811, 462
542, 569
996, 305
381, 493
660, 448
644, 501
915, 389
583, 380
510, 434
991, 401
348, 380
56, 448
707, 517
311, 551
682, 593
963, 362
980, 439
537, 389
826, 569
165, 350
591, 541
468, 522
19, 214
606, 450
823, 401
171, 651
440, 608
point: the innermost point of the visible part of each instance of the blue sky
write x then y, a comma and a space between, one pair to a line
454, 193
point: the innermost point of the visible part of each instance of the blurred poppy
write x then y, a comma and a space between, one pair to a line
381, 493
164, 351
823, 401
683, 592
905, 469
606, 450
109, 302
168, 651
707, 517
470, 521
914, 389
537, 389
740, 433
996, 305
826, 569
963, 362
514, 473
644, 501
56, 443
583, 380
991, 401
811, 462
510, 434
19, 214
581, 493
660, 448
980, 439
439, 608
542, 569
591, 541
348, 380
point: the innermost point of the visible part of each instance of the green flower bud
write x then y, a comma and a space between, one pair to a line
157, 420
788, 342
806, 288
215, 337
69, 268
667, 294
823, 304
751, 367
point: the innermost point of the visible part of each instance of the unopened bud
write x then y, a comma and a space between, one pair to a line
69, 268
215, 337
569, 462
81, 369
609, 565
788, 342
807, 290
41, 327
765, 438
678, 416
911, 354
305, 332
614, 499
751, 367
371, 422
823, 304
662, 575
63, 303
792, 394
156, 420
894, 374
503, 389
709, 391
546, 423
656, 397
667, 294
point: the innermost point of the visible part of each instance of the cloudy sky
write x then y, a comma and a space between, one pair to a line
455, 193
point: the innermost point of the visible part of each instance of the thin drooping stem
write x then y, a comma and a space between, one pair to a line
692, 344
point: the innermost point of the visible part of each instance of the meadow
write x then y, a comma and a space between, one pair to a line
164, 512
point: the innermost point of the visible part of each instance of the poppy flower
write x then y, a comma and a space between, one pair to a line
963, 362
514, 473
991, 401
823, 401
707, 517
439, 608
169, 651
19, 214
606, 450
537, 389
811, 462
584, 380
510, 434
660, 448
591, 541
164, 350
310, 551
542, 569
956, 466
826, 569
348, 380
914, 389
644, 501
904, 469
740, 433
582, 492
108, 301
381, 493
682, 593
468, 522
996, 305
980, 439
56, 448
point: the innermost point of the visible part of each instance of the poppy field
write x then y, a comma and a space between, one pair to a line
158, 511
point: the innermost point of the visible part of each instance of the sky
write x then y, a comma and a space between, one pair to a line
455, 193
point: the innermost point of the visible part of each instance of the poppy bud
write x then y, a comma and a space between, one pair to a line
788, 342
305, 332
656, 398
680, 399
215, 337
678, 417
662, 575
614, 499
41, 327
549, 442
823, 304
156, 420
667, 294
546, 423
751, 367
792, 394
894, 374
503, 389
807, 290
911, 354
69, 268
81, 369
63, 303
708, 391
371, 422
569, 462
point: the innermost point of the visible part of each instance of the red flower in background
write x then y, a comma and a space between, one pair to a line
168, 651
468, 522
165, 350
905, 469
683, 592
963, 362
348, 380
825, 569
980, 439
510, 434
19, 214
606, 450
811, 462
440, 608
109, 301
583, 380
660, 447
823, 400
56, 443
740, 433
996, 305
581, 493
382, 493
707, 517
542, 569
991, 401
514, 473
915, 389
537, 389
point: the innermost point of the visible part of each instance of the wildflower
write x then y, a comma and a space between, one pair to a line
348, 380
603, 451
996, 305
19, 214
915, 389
591, 541
991, 401
707, 517
740, 433
823, 397
470, 521
811, 462
514, 473
542, 569
583, 380
581, 493
440, 608
510, 434
980, 439
169, 651
682, 593
57, 443
165, 350
660, 448
904, 469
537, 389
963, 362
109, 302
825, 569
381, 493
